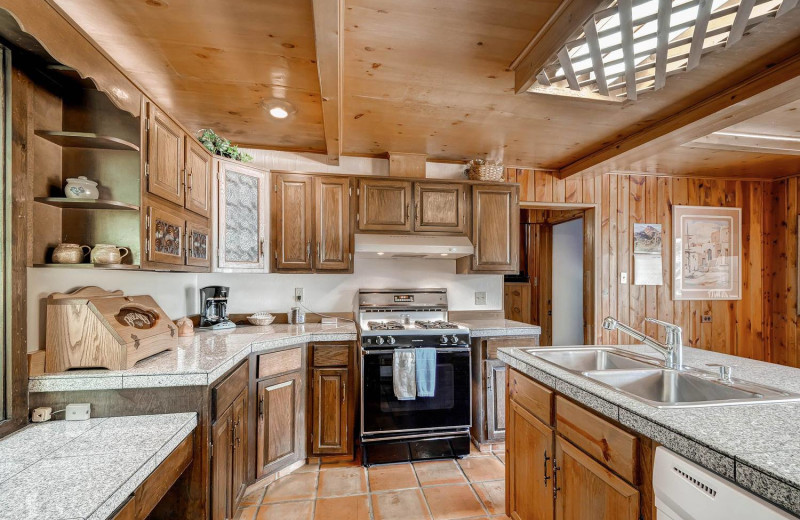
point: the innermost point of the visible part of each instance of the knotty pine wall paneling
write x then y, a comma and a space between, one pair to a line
736, 327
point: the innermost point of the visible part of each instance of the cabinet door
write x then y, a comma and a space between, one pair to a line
333, 232
329, 411
529, 446
439, 207
495, 228
239, 442
279, 430
165, 236
589, 491
221, 466
384, 205
241, 229
293, 218
495, 400
164, 157
198, 178
198, 245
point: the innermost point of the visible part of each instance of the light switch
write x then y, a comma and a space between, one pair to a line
623, 278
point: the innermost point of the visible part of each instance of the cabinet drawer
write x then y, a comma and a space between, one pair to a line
281, 362
531, 395
225, 392
599, 438
331, 355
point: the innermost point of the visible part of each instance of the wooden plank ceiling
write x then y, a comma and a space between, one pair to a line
418, 76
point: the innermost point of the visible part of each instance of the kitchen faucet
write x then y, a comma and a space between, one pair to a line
672, 349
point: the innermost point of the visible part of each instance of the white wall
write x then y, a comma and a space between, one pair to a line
177, 293
568, 283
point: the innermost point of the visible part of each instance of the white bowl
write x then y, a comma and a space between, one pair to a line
261, 319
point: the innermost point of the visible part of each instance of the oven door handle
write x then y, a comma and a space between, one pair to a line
438, 349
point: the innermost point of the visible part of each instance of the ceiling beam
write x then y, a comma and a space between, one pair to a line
786, 6
776, 85
329, 37
662, 45
740, 22
626, 29
743, 142
566, 65
590, 30
699, 34
565, 21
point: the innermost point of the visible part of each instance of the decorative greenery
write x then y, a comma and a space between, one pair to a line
221, 146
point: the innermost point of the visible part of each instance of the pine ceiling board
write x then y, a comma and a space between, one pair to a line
783, 121
211, 63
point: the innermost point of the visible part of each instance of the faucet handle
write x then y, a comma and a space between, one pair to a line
725, 371
665, 324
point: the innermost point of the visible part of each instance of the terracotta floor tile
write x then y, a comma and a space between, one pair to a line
493, 495
294, 510
308, 468
408, 504
391, 476
453, 502
297, 486
253, 498
480, 469
500, 517
474, 451
355, 463
247, 513
439, 472
339, 482
501, 456
340, 508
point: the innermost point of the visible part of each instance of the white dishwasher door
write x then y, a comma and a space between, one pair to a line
685, 491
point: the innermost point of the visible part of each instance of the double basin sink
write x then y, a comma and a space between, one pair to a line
647, 380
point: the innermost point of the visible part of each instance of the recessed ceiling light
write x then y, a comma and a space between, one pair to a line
278, 108
443, 254
380, 254
278, 112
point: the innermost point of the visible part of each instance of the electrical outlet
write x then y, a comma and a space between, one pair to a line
623, 278
298, 294
480, 298
706, 318
78, 411
41, 414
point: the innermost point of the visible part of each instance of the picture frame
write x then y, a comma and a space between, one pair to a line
707, 244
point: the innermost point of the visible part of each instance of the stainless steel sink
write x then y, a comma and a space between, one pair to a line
586, 359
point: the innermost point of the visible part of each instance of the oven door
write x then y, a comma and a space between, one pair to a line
449, 408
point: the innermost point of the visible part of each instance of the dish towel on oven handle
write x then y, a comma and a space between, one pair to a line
404, 374
426, 371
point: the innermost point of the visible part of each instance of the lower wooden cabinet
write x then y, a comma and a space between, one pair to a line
529, 469
329, 435
221, 466
495, 400
280, 428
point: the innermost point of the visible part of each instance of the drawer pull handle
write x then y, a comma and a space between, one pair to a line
546, 459
556, 489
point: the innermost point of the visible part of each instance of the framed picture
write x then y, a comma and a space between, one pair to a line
646, 239
707, 253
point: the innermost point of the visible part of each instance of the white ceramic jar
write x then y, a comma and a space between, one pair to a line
81, 188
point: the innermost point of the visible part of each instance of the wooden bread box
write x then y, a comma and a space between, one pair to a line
95, 328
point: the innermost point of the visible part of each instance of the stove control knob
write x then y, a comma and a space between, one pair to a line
390, 340
443, 339
379, 340
454, 339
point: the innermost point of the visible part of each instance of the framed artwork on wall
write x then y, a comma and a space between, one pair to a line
707, 253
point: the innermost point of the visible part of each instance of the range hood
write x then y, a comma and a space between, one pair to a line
412, 246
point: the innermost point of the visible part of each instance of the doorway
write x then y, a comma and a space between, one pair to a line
567, 283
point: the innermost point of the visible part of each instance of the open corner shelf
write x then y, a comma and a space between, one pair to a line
91, 266
86, 140
66, 203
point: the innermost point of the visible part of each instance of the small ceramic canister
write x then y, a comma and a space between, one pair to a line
108, 254
185, 327
81, 188
70, 253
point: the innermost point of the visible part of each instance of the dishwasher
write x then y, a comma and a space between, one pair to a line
685, 491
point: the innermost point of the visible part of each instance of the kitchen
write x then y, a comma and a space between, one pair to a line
354, 313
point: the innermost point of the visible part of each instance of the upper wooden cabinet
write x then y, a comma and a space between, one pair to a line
166, 236
241, 214
384, 205
165, 156
495, 230
440, 207
333, 229
198, 178
293, 222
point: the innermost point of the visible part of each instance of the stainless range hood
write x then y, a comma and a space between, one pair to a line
412, 246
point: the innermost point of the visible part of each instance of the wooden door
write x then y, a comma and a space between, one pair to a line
198, 178
517, 301
165, 236
293, 220
495, 228
440, 207
587, 490
333, 231
329, 411
384, 205
241, 228
279, 410
198, 245
239, 442
221, 466
165, 156
495, 400
529, 470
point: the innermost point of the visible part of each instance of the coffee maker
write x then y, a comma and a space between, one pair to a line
214, 308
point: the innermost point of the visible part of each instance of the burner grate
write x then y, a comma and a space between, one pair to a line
385, 325
438, 324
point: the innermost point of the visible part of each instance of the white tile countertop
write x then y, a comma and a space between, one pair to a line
754, 445
83, 469
499, 327
194, 361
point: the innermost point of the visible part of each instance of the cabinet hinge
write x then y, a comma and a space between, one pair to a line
147, 221
219, 255
147, 169
211, 449
275, 188
356, 217
349, 192
147, 124
358, 191
147, 246
261, 407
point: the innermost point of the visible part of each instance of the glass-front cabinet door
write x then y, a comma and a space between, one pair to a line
241, 221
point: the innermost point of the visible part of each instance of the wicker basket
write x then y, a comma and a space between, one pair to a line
486, 172
261, 319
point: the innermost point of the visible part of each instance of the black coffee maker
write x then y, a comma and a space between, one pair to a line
214, 308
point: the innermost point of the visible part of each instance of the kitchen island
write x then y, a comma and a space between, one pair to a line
754, 445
